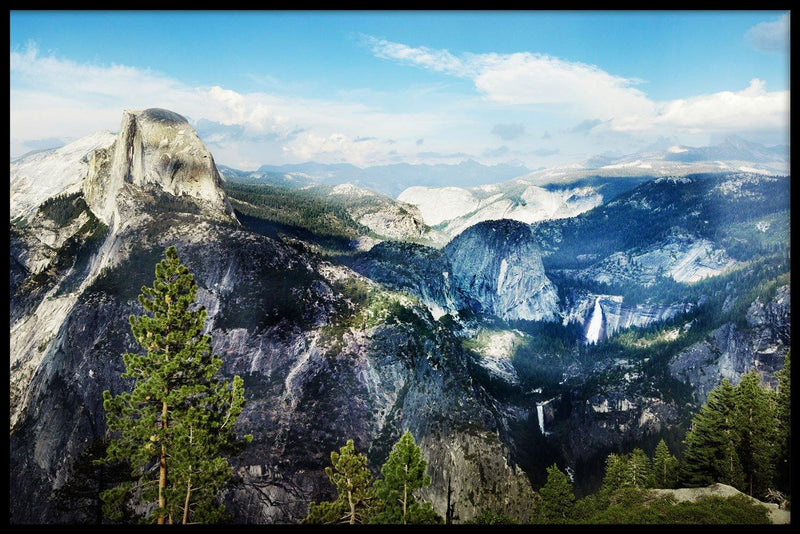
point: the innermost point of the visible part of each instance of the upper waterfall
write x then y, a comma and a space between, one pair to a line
595, 328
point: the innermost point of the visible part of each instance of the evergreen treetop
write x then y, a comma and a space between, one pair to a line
176, 425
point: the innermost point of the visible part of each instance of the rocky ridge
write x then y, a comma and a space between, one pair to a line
326, 354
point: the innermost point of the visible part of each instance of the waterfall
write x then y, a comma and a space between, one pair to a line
540, 415
595, 324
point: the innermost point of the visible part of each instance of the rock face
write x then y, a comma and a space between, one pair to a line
776, 515
419, 270
499, 265
40, 176
156, 153
682, 257
386, 217
155, 165
607, 420
732, 351
604, 315
493, 268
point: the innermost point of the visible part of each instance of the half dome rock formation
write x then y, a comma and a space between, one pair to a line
157, 158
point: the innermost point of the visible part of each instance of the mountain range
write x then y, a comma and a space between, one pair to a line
535, 319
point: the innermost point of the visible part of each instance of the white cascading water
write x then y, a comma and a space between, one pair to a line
595, 324
540, 415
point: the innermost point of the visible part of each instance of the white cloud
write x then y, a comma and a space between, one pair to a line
752, 108
55, 98
526, 80
529, 79
436, 60
79, 99
770, 36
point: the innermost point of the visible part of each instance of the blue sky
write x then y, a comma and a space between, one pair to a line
532, 87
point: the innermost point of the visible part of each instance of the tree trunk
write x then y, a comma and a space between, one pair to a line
352, 507
162, 468
186, 502
405, 494
188, 485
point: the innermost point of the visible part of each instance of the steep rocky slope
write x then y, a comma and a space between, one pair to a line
326, 354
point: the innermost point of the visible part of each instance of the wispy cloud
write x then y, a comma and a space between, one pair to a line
770, 36
527, 80
436, 60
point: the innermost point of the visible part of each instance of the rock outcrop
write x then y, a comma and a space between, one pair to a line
731, 351
776, 515
498, 263
156, 158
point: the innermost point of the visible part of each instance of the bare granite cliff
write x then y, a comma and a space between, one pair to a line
156, 154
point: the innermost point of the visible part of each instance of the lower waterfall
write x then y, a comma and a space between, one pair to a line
540, 415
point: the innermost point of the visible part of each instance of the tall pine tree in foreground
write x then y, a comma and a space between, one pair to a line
175, 426
756, 424
783, 408
403, 474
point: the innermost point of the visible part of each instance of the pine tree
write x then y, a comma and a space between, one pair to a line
614, 477
349, 473
557, 497
756, 422
710, 445
176, 425
784, 415
665, 467
403, 474
638, 470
